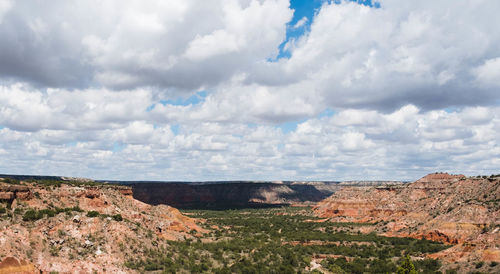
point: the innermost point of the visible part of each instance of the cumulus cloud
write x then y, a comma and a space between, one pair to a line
90, 89
126, 44
425, 53
489, 72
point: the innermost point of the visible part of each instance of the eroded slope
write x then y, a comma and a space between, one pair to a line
72, 228
449, 208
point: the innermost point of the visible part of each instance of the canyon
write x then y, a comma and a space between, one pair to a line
69, 225
454, 209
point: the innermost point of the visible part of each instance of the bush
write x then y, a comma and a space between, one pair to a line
11, 181
32, 215
479, 264
77, 209
2, 210
118, 217
92, 214
406, 267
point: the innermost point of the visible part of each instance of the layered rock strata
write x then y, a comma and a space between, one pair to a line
453, 209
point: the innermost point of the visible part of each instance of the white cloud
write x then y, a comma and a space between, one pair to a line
412, 85
218, 42
177, 45
420, 53
5, 6
489, 72
319, 148
300, 23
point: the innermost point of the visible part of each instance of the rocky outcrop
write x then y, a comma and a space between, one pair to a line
83, 229
11, 265
452, 209
8, 192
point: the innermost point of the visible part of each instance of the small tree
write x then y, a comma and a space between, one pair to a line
406, 267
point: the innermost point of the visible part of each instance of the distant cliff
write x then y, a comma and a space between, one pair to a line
224, 194
237, 194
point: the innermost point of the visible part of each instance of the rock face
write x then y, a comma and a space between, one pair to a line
83, 229
238, 194
10, 192
453, 209
12, 265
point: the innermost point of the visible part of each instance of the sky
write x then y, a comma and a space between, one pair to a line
249, 89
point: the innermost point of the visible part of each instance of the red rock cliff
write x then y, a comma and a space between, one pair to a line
448, 208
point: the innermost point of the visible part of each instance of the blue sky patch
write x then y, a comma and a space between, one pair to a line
302, 9
307, 9
72, 144
117, 147
175, 129
326, 113
451, 109
194, 99
290, 126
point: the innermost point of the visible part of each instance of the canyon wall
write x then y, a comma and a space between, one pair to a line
225, 194
222, 195
454, 209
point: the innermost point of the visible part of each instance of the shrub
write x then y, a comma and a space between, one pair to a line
118, 217
479, 264
11, 181
32, 215
406, 267
92, 214
77, 209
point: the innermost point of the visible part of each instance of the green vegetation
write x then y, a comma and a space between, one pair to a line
117, 217
282, 240
33, 214
11, 181
406, 267
93, 214
58, 183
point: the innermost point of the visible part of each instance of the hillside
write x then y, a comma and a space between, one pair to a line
454, 209
81, 226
